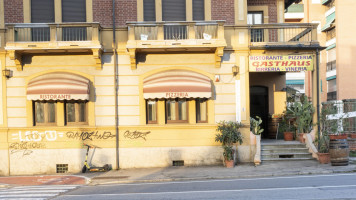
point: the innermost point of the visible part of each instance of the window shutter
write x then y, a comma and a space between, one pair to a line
42, 11
74, 11
149, 10
331, 55
198, 10
173, 10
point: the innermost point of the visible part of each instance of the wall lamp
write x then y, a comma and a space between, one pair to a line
235, 70
7, 73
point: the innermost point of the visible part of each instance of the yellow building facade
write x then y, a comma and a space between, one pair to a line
150, 98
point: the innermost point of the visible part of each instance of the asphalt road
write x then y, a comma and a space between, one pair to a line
334, 186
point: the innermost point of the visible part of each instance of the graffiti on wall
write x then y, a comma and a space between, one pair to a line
84, 135
25, 147
37, 136
136, 134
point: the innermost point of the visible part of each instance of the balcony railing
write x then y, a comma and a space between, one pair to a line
181, 36
283, 34
40, 32
176, 30
53, 38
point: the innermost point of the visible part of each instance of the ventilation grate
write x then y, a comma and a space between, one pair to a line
62, 168
286, 156
178, 162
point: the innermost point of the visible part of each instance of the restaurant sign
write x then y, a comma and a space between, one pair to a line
290, 63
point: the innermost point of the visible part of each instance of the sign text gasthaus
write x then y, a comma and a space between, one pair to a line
290, 63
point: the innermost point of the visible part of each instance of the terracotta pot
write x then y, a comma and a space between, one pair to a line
338, 137
288, 136
324, 158
229, 163
301, 137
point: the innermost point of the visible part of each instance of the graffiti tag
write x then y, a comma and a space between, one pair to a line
25, 147
90, 135
36, 136
136, 134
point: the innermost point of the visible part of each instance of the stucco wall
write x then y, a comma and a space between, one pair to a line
345, 50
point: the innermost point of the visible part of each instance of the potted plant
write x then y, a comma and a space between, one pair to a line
330, 126
228, 135
255, 125
326, 126
287, 129
303, 113
323, 152
255, 128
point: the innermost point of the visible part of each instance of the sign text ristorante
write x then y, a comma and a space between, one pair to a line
265, 63
55, 96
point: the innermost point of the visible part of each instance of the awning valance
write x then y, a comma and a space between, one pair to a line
177, 84
58, 86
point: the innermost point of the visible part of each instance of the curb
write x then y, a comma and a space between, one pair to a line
93, 183
4, 186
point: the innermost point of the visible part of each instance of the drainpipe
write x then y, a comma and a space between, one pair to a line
116, 87
317, 94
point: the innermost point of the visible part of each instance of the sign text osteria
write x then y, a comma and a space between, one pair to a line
291, 63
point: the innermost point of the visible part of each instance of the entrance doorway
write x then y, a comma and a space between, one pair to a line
259, 106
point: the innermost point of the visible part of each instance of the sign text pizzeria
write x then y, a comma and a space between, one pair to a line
290, 63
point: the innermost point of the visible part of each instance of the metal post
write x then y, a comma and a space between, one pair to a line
317, 95
116, 87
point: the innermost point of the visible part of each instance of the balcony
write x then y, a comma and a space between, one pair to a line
49, 38
207, 36
283, 36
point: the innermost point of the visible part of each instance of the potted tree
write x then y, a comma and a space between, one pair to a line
228, 135
287, 129
337, 140
326, 127
323, 152
256, 130
302, 112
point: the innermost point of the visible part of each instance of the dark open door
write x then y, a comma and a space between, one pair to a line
259, 105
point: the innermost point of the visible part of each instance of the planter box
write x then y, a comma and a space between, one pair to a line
324, 158
338, 137
288, 136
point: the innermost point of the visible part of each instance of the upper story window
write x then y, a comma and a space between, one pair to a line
198, 10
74, 11
253, 18
330, 4
174, 10
149, 10
331, 65
42, 11
330, 34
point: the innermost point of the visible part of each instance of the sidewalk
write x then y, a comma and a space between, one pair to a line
282, 168
246, 170
9, 181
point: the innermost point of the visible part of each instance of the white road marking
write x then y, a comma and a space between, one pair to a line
34, 192
231, 180
26, 191
211, 191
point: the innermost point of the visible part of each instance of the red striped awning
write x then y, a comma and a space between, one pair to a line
58, 86
177, 84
